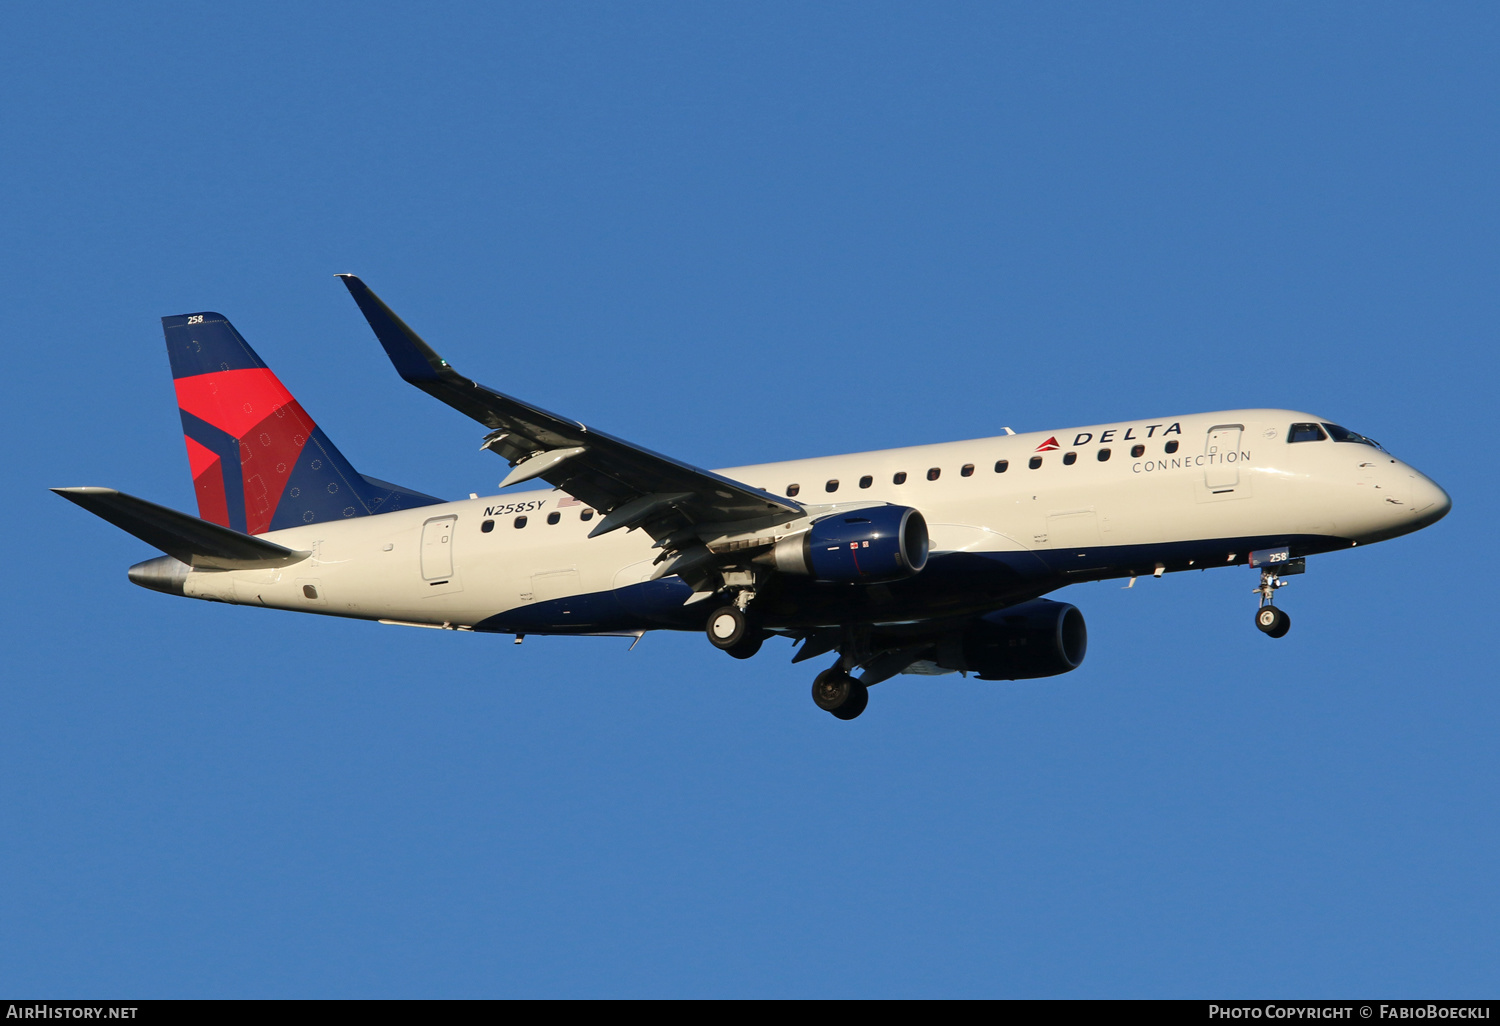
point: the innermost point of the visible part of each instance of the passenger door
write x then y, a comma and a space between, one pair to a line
1223, 451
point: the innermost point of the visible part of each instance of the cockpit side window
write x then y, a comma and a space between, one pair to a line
1306, 433
1345, 435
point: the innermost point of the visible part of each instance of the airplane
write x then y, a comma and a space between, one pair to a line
930, 559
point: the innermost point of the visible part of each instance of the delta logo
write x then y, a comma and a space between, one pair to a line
1109, 435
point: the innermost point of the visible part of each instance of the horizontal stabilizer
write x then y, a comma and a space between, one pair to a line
199, 543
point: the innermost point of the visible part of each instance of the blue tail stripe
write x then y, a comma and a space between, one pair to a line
227, 448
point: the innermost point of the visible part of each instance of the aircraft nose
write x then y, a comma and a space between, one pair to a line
1429, 502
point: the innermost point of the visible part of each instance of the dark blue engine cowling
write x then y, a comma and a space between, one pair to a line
866, 546
1040, 638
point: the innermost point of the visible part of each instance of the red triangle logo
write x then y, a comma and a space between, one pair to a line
1048, 445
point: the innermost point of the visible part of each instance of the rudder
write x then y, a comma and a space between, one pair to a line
259, 462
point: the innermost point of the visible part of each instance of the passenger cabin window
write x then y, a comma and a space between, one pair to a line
1070, 459
1036, 461
832, 485
1137, 451
586, 515
520, 522
900, 477
1001, 466
553, 517
934, 473
1345, 435
487, 526
1172, 446
1103, 455
793, 489
1306, 433
866, 481
967, 470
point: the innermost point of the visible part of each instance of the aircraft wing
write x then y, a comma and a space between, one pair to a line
633, 486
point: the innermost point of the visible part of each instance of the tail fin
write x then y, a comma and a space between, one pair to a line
259, 462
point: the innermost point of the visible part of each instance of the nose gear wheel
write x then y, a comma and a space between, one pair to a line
1273, 621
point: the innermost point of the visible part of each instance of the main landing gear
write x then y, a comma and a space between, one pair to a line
1268, 618
836, 692
733, 630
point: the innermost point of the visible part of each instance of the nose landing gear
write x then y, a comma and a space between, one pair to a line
1270, 620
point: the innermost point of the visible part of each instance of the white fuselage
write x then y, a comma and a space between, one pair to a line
1234, 478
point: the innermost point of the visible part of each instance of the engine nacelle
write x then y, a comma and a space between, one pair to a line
863, 546
1040, 638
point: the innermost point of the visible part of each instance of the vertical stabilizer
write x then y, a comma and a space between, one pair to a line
259, 462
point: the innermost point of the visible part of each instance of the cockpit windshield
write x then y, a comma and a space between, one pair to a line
1345, 435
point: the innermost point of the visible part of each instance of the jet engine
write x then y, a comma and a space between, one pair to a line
862, 546
1040, 638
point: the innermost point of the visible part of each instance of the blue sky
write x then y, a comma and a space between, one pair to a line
735, 234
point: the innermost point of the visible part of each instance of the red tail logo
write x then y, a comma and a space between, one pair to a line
1048, 445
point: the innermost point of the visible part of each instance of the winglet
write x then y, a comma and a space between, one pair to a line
415, 360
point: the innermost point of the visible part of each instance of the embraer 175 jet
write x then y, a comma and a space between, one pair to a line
930, 559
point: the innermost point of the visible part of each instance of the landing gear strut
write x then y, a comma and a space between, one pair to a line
731, 629
1268, 618
836, 692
